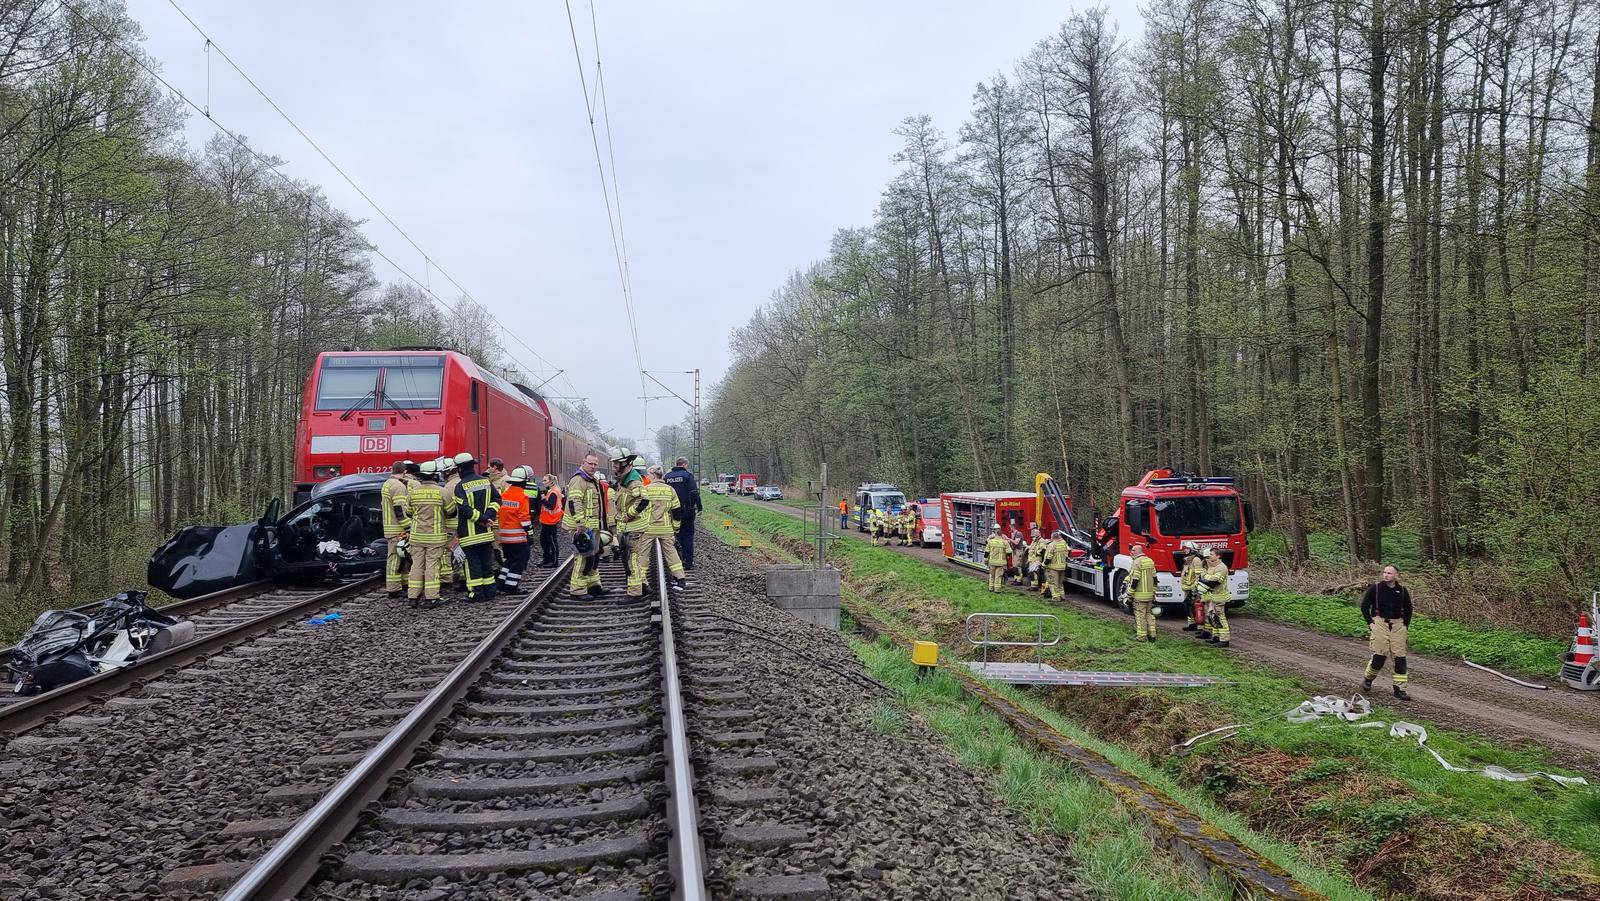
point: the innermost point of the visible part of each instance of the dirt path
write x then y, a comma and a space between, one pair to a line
1445, 691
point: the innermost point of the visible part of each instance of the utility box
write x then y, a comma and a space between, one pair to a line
806, 592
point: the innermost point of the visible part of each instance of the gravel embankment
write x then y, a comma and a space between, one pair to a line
112, 803
885, 814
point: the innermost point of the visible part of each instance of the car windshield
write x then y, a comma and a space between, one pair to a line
1217, 515
930, 512
409, 382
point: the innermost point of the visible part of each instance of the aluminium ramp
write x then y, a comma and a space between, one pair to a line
1045, 674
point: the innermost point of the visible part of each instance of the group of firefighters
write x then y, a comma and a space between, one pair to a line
888, 526
448, 524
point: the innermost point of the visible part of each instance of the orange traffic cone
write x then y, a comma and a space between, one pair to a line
1578, 667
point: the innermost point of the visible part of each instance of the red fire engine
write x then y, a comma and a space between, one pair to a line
1161, 512
363, 410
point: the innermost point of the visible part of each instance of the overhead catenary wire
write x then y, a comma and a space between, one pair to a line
614, 222
430, 263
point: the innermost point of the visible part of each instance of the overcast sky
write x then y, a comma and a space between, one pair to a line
745, 134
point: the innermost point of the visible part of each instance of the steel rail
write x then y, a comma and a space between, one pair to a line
25, 715
686, 855
292, 863
181, 608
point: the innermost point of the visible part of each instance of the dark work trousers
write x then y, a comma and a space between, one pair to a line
515, 554
480, 571
686, 539
549, 545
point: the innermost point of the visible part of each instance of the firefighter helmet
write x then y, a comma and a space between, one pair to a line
464, 457
430, 467
519, 475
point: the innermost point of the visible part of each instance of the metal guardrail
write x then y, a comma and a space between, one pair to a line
291, 863
687, 856
1039, 644
25, 715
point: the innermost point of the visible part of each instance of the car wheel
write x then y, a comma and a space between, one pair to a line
1119, 592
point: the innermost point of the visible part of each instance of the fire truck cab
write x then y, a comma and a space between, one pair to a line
1161, 512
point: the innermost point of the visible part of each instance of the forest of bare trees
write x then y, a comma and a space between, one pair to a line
1348, 250
159, 309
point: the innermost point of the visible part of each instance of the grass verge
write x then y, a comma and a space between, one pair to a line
1380, 808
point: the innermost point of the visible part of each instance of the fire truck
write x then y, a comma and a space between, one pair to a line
363, 410
746, 483
1161, 512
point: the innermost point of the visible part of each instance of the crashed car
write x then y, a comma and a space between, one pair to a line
335, 534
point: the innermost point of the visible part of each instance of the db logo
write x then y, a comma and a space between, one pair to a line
374, 444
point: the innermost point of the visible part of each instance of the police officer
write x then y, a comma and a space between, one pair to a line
515, 522
585, 518
393, 497
1142, 590
1214, 581
1386, 606
477, 514
653, 506
1055, 565
994, 554
688, 488
551, 506
429, 507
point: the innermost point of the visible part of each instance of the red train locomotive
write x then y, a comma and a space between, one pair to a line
363, 410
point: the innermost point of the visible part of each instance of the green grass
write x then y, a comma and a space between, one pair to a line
1091, 642
1446, 638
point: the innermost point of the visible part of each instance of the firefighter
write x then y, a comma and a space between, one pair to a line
448, 571
629, 483
1194, 605
550, 507
477, 514
1019, 552
1055, 565
875, 525
1142, 590
515, 522
1386, 606
393, 497
994, 554
1214, 580
656, 508
1037, 546
429, 508
908, 522
413, 474
585, 517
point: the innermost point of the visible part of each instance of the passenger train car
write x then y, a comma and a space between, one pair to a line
363, 410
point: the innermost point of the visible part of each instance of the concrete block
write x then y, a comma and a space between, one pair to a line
808, 594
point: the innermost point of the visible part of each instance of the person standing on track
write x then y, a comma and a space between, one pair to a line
994, 554
654, 507
429, 508
688, 488
550, 507
1142, 590
447, 567
585, 517
1214, 582
1055, 566
515, 522
477, 514
497, 474
1386, 607
393, 497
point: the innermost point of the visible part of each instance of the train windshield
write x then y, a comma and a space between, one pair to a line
407, 381
1198, 516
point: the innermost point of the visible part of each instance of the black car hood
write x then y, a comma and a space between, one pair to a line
202, 559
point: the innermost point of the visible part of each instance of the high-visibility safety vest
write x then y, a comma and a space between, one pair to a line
393, 497
430, 507
1142, 579
1056, 556
450, 486
585, 504
1215, 582
477, 510
1189, 580
844, 508
550, 507
994, 552
631, 505
660, 500
515, 517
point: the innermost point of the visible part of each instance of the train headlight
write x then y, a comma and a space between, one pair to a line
325, 472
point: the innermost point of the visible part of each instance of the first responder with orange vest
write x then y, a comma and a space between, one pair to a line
1142, 591
477, 514
994, 554
655, 508
844, 514
550, 509
393, 497
516, 521
429, 508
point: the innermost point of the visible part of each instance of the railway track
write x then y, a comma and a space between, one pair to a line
222, 619
556, 751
